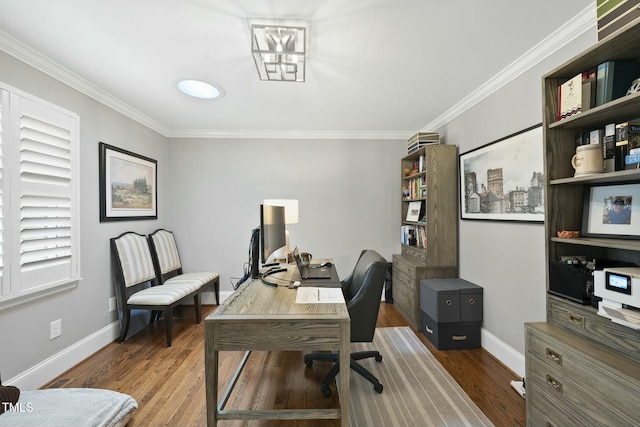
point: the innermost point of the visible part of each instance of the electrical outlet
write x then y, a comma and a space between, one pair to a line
112, 304
55, 329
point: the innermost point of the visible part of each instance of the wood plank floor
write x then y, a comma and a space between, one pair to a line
168, 383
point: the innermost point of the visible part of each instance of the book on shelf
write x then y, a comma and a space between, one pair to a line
414, 235
588, 89
613, 79
627, 138
570, 97
415, 188
609, 147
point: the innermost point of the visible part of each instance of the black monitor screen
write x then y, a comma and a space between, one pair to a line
272, 230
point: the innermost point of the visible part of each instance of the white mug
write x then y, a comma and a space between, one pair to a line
588, 159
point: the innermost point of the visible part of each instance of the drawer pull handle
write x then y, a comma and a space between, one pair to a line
552, 355
472, 301
459, 337
448, 302
576, 320
428, 329
557, 385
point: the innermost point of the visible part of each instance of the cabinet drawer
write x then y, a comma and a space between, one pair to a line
404, 296
582, 397
584, 321
402, 265
588, 376
544, 410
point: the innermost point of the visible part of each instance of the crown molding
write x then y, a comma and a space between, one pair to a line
574, 28
289, 134
30, 56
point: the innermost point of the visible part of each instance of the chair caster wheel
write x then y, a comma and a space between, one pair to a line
309, 363
379, 358
326, 391
378, 387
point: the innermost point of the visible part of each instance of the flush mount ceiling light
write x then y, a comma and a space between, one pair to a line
200, 89
279, 49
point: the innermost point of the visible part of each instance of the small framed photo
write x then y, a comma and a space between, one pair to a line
612, 211
128, 185
413, 211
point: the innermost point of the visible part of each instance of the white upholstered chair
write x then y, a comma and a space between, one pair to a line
166, 259
137, 286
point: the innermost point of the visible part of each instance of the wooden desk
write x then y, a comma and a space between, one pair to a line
261, 317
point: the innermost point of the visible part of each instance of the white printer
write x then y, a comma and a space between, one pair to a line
619, 288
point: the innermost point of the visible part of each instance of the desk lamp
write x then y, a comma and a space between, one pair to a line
290, 217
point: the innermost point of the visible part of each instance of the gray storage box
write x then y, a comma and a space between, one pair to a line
451, 336
451, 312
451, 300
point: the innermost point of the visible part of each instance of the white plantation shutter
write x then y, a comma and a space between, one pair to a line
41, 218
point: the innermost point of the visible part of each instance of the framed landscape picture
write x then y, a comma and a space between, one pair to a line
128, 185
504, 180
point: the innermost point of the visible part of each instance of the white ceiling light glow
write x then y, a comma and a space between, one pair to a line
200, 89
279, 49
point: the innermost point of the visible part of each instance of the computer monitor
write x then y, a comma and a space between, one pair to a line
272, 230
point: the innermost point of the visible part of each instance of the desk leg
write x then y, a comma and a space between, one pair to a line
345, 370
211, 386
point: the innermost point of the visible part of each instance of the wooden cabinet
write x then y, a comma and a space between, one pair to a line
600, 359
574, 381
429, 186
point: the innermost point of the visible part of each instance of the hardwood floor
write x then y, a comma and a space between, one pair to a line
168, 383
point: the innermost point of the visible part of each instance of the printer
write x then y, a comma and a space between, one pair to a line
619, 288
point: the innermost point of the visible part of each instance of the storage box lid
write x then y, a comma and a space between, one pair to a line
444, 285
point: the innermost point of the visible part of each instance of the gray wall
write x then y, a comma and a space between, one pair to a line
24, 335
507, 259
348, 194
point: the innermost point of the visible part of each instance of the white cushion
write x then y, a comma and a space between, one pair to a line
135, 258
167, 251
160, 295
192, 280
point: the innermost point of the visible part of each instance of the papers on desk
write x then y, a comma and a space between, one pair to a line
311, 295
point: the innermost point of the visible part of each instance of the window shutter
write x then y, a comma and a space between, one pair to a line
47, 232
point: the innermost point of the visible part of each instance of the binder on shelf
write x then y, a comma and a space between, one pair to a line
613, 79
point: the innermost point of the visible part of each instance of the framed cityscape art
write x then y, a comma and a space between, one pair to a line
128, 185
504, 180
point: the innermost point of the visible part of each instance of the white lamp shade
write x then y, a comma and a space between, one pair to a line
290, 208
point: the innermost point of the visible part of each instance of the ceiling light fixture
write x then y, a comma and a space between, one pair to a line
279, 49
200, 89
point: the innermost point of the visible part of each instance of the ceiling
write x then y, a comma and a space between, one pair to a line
376, 68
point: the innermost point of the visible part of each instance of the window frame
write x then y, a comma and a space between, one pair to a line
15, 287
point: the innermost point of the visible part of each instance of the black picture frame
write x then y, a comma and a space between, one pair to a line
599, 201
515, 160
128, 185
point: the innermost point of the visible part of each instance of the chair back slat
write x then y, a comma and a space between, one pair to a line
133, 253
166, 250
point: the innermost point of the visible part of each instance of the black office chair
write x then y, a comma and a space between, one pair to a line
362, 292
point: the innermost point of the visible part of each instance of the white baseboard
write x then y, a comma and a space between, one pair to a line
505, 354
48, 369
